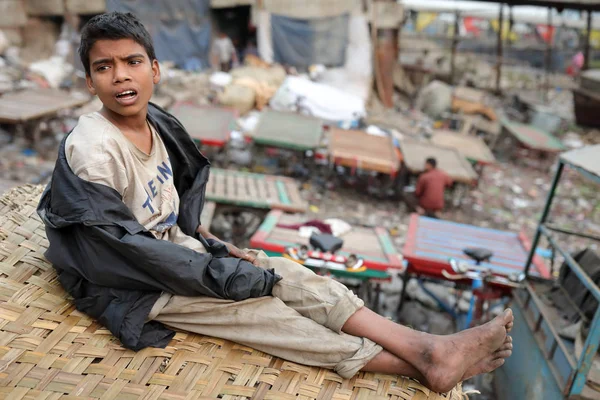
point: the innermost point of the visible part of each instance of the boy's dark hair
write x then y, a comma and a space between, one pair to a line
431, 161
113, 26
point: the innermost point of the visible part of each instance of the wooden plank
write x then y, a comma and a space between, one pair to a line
254, 190
448, 160
471, 147
288, 130
207, 124
27, 105
532, 137
358, 149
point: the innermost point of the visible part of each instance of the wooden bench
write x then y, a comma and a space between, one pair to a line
49, 350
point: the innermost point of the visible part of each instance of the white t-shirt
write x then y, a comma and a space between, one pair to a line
98, 152
224, 49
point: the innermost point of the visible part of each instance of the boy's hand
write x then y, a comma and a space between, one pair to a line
233, 250
237, 253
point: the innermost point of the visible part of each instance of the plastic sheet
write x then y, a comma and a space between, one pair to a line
181, 29
303, 42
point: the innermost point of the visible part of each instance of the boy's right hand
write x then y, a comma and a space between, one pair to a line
237, 253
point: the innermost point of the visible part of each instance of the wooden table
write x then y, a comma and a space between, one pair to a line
472, 148
207, 125
358, 149
288, 130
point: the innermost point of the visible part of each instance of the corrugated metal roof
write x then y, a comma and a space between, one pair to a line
586, 158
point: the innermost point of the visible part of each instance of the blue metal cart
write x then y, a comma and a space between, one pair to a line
545, 366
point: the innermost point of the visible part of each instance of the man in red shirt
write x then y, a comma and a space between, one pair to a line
430, 190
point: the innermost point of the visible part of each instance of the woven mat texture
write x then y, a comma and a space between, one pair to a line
50, 351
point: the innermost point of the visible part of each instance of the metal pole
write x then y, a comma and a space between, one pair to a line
548, 54
454, 45
499, 48
511, 22
586, 60
590, 348
545, 213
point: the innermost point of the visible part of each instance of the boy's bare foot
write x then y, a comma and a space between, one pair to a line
492, 361
446, 359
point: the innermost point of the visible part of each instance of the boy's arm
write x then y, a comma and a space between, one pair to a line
233, 250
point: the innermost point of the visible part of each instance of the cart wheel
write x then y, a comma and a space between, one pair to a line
236, 225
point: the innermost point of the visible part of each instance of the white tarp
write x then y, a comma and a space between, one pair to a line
322, 101
357, 74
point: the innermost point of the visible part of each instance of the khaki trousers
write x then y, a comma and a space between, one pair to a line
301, 322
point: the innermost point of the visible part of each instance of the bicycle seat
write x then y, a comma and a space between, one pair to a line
478, 254
326, 243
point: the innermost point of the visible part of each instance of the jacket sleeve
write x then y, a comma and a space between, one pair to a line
115, 258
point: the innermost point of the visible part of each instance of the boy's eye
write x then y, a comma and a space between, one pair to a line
102, 68
135, 62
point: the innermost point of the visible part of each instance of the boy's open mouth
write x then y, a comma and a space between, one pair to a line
127, 94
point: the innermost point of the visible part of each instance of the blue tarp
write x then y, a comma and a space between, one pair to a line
181, 29
301, 43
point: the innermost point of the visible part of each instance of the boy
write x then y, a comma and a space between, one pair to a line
122, 215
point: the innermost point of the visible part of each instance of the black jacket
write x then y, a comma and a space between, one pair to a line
115, 269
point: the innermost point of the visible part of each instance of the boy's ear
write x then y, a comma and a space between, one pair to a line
90, 84
155, 71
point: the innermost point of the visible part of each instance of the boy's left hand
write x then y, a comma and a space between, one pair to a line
237, 253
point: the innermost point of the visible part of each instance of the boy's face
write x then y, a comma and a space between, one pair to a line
122, 75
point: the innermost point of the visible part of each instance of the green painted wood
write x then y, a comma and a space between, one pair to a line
533, 137
363, 276
288, 130
246, 189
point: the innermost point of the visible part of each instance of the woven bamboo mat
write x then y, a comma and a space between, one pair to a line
50, 351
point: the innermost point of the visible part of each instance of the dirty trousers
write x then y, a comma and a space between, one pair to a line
301, 322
